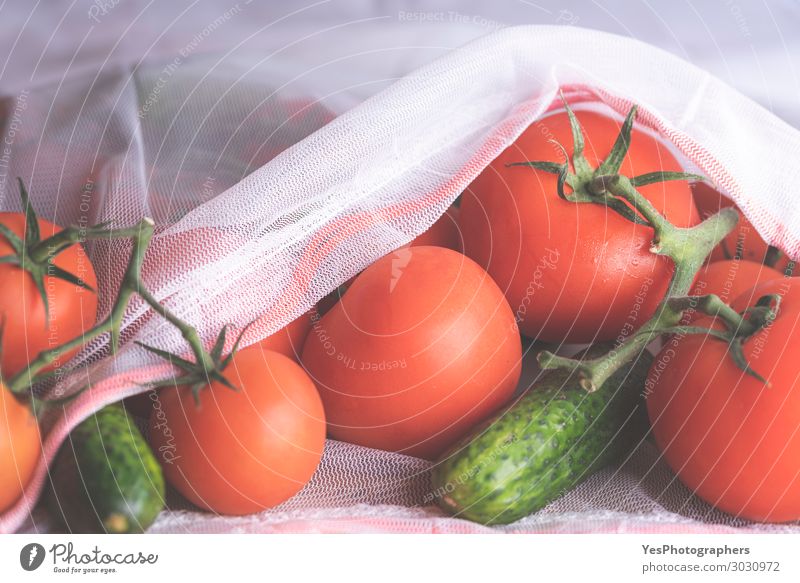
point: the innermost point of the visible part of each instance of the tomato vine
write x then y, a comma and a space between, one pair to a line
687, 247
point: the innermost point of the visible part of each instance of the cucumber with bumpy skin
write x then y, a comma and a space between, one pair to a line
551, 439
105, 478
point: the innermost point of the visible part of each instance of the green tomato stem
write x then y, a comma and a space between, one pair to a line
131, 284
141, 234
202, 358
45, 250
621, 186
688, 249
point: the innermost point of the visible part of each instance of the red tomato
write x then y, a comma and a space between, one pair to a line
730, 278
754, 248
443, 233
730, 438
571, 272
73, 310
20, 447
240, 452
421, 347
289, 340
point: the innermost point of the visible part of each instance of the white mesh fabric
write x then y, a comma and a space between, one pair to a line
265, 202
363, 490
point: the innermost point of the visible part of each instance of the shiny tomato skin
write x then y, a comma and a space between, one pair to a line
20, 448
420, 348
443, 233
240, 452
289, 339
72, 310
571, 272
730, 278
730, 438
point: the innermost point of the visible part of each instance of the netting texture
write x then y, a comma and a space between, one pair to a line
266, 197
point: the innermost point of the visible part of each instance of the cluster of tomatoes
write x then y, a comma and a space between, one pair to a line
425, 343
731, 437
579, 273
420, 347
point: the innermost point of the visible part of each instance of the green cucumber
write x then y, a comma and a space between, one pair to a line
105, 478
547, 442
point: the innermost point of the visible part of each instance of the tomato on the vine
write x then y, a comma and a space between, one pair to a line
241, 451
421, 347
731, 438
20, 447
30, 326
571, 272
730, 278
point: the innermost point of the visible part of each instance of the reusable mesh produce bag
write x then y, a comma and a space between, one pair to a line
265, 200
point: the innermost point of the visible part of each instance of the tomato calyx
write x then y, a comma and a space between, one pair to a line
742, 326
141, 233
208, 366
588, 184
688, 248
35, 255
739, 327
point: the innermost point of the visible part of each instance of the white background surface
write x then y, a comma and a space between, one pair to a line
753, 45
